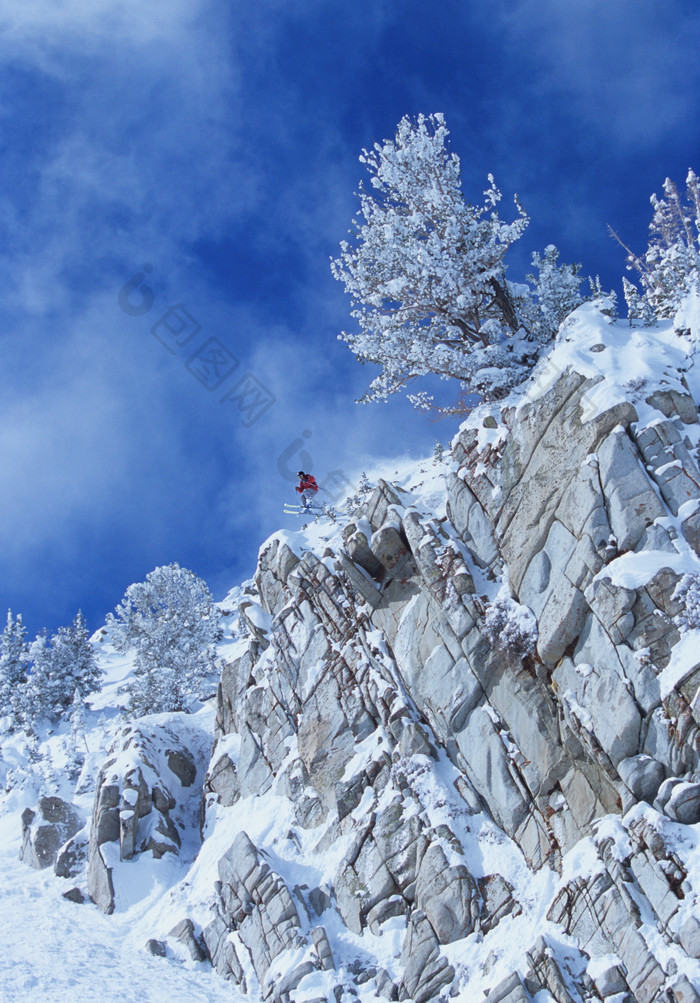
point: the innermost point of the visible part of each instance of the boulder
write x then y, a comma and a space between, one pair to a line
46, 829
182, 764
509, 990
359, 551
664, 792
74, 895
633, 503
425, 972
689, 936
156, 948
683, 991
683, 804
643, 775
382, 499
222, 781
447, 895
72, 856
184, 933
610, 981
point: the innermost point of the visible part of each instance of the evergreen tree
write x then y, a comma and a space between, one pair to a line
40, 697
639, 309
605, 301
364, 488
172, 622
427, 274
61, 666
687, 594
670, 267
14, 658
355, 504
556, 290
84, 674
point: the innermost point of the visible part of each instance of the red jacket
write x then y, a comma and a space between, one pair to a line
307, 483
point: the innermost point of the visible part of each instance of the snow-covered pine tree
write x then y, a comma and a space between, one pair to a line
14, 658
75, 666
606, 302
639, 310
426, 273
355, 504
670, 268
364, 488
61, 667
87, 673
40, 698
511, 626
557, 293
172, 623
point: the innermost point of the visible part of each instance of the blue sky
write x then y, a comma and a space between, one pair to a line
218, 144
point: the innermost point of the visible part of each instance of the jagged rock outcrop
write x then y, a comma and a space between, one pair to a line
141, 796
400, 742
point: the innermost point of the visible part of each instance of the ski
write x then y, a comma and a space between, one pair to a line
291, 509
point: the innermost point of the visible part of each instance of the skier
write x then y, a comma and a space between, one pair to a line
308, 489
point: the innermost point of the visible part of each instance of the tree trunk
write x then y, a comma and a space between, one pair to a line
504, 303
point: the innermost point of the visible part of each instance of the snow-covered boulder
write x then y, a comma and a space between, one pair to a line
72, 856
45, 830
145, 799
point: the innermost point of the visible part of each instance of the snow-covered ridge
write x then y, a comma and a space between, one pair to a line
454, 749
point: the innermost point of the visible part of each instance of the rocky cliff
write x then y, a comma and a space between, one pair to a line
458, 755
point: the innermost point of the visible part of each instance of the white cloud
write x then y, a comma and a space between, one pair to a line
46, 32
81, 436
139, 149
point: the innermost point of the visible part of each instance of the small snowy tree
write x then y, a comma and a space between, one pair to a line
687, 593
557, 292
606, 302
172, 623
364, 488
670, 267
14, 658
639, 310
355, 504
511, 627
426, 273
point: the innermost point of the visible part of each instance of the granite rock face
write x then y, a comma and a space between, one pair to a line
399, 740
452, 727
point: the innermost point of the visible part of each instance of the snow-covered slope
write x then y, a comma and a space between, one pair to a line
454, 748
